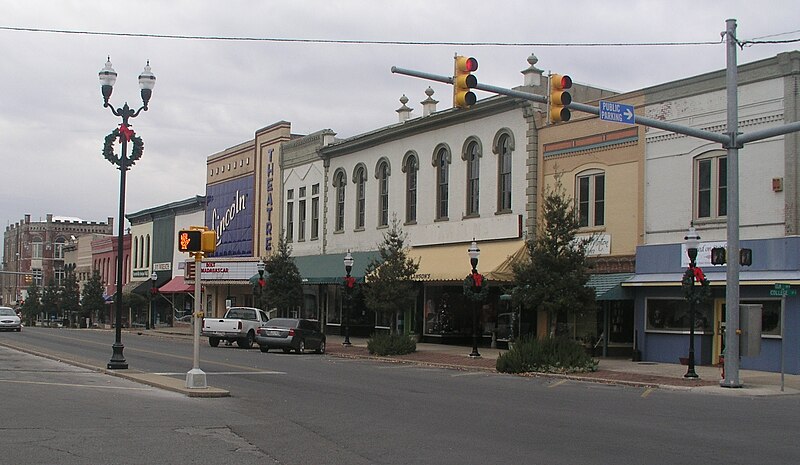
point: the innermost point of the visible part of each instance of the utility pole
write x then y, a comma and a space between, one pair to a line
732, 141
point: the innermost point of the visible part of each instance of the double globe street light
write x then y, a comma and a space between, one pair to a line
123, 161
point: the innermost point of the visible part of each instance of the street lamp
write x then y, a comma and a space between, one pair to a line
151, 316
474, 252
692, 242
261, 266
349, 282
124, 162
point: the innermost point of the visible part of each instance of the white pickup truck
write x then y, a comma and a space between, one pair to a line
239, 324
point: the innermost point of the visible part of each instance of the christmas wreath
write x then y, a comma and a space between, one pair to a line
475, 287
129, 135
691, 291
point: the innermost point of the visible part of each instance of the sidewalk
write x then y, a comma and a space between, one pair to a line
610, 370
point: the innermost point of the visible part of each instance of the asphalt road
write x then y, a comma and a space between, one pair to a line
311, 409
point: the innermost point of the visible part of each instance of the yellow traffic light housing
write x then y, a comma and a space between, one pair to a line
208, 242
190, 240
559, 98
463, 81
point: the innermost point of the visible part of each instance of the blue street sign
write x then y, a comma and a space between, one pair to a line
616, 112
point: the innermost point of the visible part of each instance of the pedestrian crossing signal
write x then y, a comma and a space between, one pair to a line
190, 240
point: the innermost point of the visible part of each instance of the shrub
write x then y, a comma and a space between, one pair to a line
391, 344
549, 355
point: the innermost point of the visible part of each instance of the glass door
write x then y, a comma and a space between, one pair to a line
719, 331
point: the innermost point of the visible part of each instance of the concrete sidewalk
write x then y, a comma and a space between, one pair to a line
610, 370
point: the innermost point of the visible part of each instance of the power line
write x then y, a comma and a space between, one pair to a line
356, 41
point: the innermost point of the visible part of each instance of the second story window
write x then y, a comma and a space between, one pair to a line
591, 188
36, 248
314, 211
711, 187
411, 189
472, 156
289, 215
339, 182
442, 183
361, 196
301, 215
504, 173
383, 194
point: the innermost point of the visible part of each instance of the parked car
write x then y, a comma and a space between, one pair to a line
239, 324
291, 334
9, 320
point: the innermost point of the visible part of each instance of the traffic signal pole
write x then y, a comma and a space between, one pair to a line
732, 141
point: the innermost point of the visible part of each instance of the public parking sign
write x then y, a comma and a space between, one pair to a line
616, 112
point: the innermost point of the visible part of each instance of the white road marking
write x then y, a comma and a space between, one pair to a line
227, 373
77, 385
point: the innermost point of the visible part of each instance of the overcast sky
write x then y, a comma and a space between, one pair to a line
214, 94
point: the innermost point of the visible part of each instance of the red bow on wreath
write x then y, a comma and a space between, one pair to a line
124, 130
350, 281
262, 282
477, 278
698, 275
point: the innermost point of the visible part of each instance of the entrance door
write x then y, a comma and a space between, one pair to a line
719, 331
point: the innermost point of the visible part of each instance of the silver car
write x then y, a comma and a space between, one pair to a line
290, 334
9, 321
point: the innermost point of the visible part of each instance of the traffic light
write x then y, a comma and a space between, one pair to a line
559, 98
718, 255
463, 81
208, 243
745, 257
190, 240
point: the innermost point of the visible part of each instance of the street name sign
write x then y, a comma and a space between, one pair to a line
616, 112
782, 290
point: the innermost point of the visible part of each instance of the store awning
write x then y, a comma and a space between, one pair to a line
716, 278
607, 286
451, 262
329, 268
176, 285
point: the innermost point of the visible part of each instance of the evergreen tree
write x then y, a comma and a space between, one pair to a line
92, 301
390, 289
554, 280
51, 300
284, 285
137, 305
32, 305
71, 297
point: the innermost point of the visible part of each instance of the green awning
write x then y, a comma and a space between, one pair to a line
607, 286
329, 268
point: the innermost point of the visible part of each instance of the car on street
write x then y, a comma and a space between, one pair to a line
9, 321
289, 334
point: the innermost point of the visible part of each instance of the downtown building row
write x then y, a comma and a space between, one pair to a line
453, 175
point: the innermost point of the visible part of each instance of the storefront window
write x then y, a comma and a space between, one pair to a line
673, 315
449, 313
770, 316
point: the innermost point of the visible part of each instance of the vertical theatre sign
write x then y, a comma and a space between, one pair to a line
230, 214
269, 202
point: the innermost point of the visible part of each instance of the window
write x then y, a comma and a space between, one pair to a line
36, 247
711, 186
136, 253
301, 220
339, 182
383, 194
411, 189
58, 252
666, 315
147, 252
442, 182
504, 173
59, 275
591, 199
315, 211
360, 179
472, 156
289, 215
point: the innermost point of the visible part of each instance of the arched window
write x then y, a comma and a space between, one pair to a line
504, 145
382, 173
136, 252
339, 182
472, 154
411, 168
441, 161
591, 197
360, 180
147, 252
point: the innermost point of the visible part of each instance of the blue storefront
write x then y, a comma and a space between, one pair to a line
662, 312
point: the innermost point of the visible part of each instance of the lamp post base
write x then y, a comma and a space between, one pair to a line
474, 353
691, 374
117, 361
196, 379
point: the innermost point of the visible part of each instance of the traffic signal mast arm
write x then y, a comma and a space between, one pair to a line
642, 120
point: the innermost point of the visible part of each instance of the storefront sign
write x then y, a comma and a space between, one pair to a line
165, 266
230, 214
597, 244
222, 270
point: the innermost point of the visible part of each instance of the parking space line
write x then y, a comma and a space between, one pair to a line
558, 383
647, 392
227, 373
